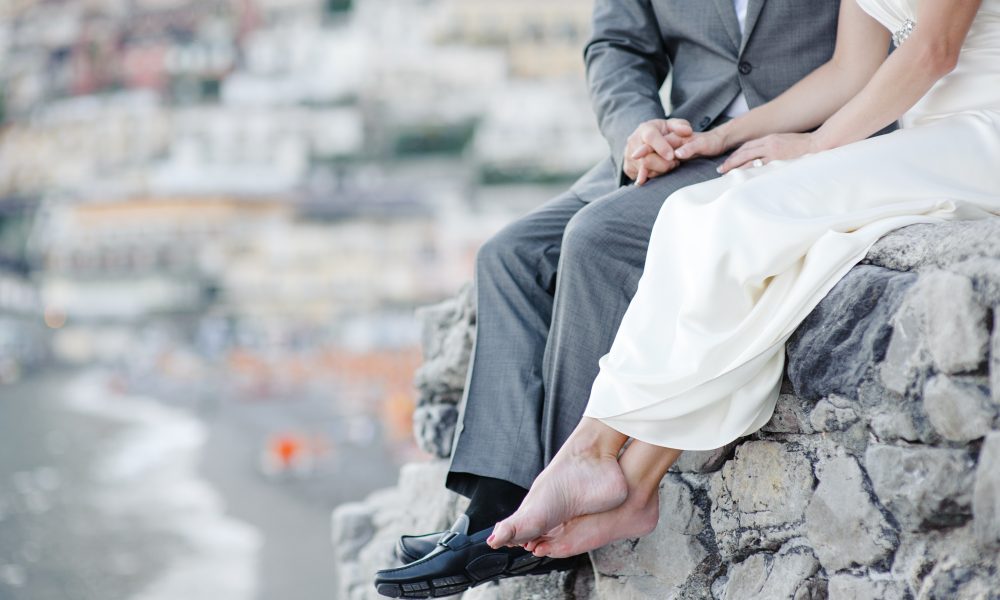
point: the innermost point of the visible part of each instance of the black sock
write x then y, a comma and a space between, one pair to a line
493, 500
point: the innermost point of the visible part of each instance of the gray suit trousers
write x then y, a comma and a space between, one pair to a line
551, 290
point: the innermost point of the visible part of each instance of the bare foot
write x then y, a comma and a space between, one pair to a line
572, 485
635, 518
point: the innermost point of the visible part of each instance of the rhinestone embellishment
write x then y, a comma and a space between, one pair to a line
903, 32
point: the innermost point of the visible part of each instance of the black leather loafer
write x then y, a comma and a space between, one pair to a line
410, 548
460, 561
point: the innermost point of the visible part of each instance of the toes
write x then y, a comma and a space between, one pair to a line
501, 536
557, 550
515, 531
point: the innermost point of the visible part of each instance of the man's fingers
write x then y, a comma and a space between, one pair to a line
641, 151
676, 141
631, 169
657, 142
655, 163
641, 177
680, 127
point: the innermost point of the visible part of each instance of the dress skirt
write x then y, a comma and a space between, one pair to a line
735, 264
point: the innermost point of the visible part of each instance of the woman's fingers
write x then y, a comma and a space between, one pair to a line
697, 146
743, 155
757, 162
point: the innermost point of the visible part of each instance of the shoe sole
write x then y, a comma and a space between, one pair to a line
486, 568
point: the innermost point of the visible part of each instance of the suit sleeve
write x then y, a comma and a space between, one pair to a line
626, 66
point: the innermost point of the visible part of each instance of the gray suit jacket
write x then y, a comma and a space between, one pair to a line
637, 43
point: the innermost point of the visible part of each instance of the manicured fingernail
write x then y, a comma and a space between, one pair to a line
718, 170
681, 153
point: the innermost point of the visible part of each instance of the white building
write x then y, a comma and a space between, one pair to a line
252, 150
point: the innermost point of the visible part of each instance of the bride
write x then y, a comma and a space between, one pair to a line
735, 264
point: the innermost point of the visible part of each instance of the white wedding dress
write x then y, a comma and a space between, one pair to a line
735, 264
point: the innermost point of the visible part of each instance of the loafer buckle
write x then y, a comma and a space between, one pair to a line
446, 538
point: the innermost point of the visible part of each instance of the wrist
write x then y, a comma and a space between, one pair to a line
821, 140
729, 134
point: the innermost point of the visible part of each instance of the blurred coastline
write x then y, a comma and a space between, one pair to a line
217, 218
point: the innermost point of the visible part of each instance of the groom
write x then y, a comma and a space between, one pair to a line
553, 286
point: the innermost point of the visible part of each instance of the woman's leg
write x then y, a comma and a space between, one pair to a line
584, 477
644, 466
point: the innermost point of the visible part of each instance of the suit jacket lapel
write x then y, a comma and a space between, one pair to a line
753, 13
728, 15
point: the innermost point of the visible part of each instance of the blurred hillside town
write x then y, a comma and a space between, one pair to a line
217, 218
269, 187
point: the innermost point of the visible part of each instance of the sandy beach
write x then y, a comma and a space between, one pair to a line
106, 494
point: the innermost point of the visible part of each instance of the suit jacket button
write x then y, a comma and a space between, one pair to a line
745, 67
705, 122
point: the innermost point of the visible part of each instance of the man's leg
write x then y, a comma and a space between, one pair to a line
515, 283
499, 435
603, 253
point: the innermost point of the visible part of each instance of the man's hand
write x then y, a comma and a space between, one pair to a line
649, 151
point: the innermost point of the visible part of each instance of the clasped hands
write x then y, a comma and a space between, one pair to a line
658, 146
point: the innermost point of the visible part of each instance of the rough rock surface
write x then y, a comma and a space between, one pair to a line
449, 331
878, 477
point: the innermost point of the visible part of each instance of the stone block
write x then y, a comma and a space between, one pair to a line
849, 587
907, 356
426, 504
940, 245
833, 413
434, 428
631, 588
959, 410
550, 586
681, 521
843, 524
352, 528
791, 415
836, 347
703, 461
986, 494
766, 576
759, 497
956, 323
995, 357
922, 487
946, 563
447, 337
893, 424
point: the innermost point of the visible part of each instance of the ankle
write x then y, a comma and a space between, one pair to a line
594, 440
642, 497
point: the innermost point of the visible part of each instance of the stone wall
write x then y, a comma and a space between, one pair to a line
877, 478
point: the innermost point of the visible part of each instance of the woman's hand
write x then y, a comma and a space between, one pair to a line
779, 146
